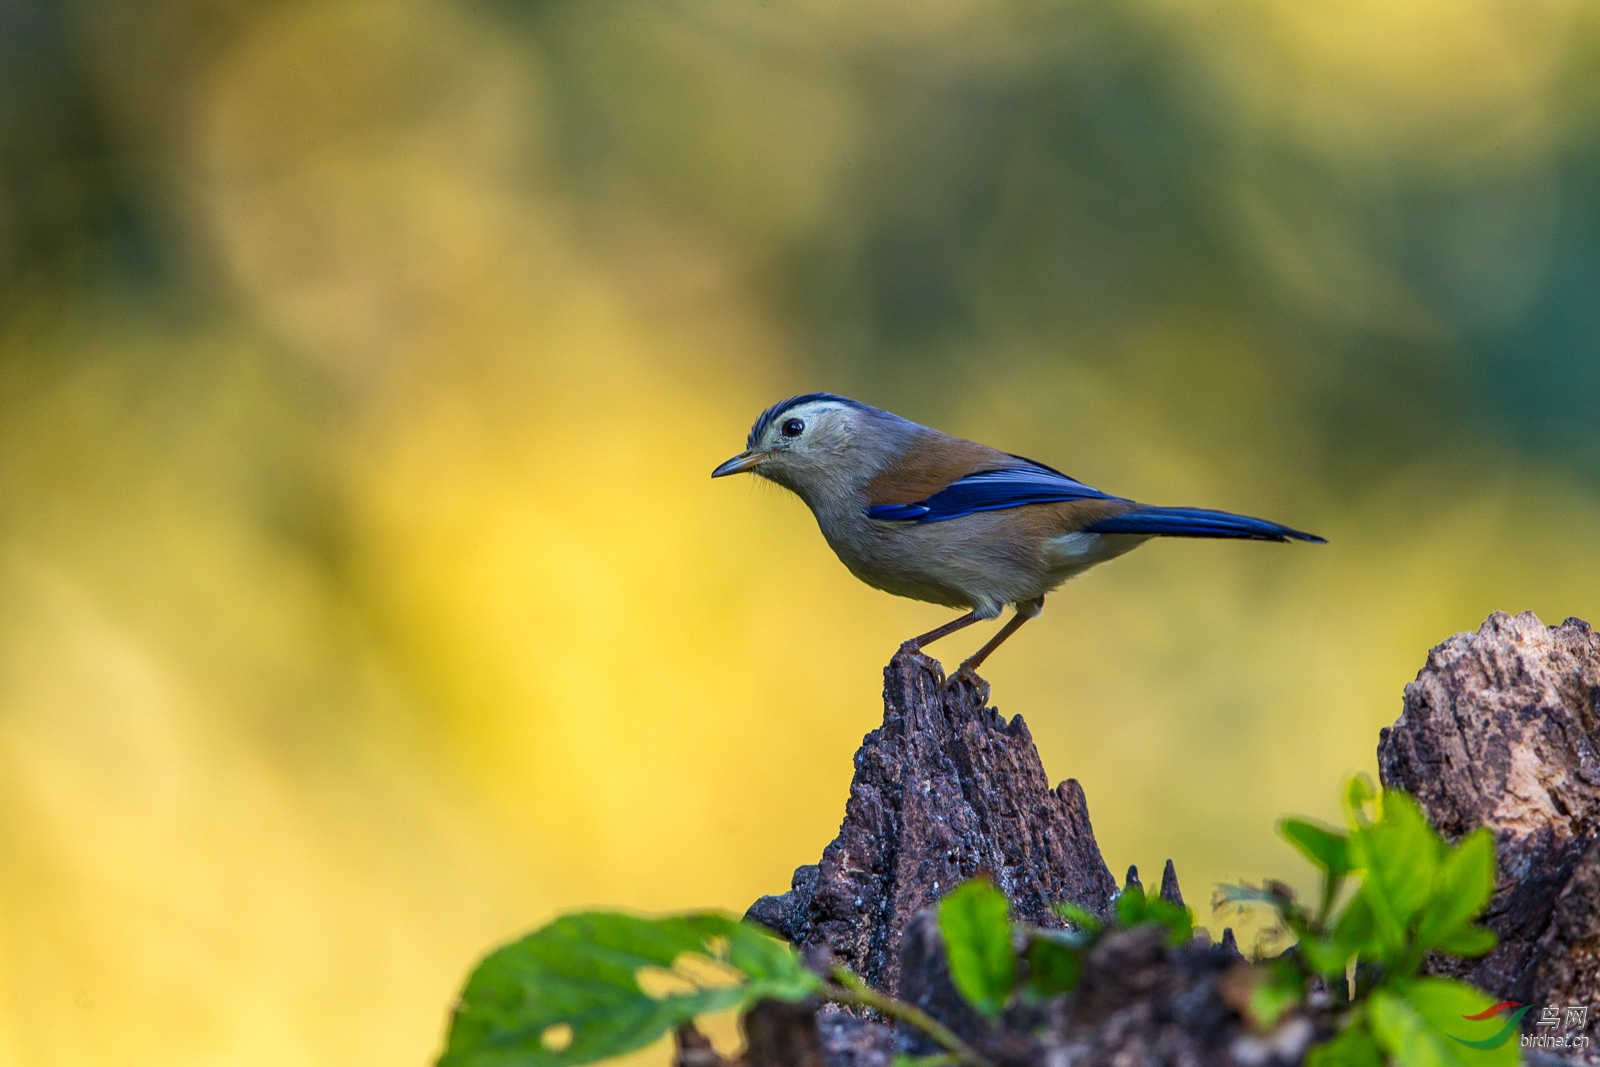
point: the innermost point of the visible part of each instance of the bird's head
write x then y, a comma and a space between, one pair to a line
811, 442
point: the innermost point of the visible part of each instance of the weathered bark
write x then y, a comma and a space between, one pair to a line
779, 1034
1169, 885
1502, 729
776, 1032
945, 789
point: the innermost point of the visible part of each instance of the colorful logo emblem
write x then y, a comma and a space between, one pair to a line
1504, 1034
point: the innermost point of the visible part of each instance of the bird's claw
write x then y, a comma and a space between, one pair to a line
965, 674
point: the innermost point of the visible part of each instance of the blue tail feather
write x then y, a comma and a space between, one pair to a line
1197, 522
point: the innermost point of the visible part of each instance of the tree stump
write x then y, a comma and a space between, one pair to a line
944, 790
1502, 729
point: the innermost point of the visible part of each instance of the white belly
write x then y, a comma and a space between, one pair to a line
968, 562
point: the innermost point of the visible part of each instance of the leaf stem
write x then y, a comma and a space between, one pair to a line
853, 992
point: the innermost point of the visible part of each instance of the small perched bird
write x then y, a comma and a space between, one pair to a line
924, 515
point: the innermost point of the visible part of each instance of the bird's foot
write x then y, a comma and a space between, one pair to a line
965, 675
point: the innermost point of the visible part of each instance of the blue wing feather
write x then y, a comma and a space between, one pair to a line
1197, 522
1035, 483
995, 490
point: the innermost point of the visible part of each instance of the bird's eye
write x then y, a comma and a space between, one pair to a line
793, 428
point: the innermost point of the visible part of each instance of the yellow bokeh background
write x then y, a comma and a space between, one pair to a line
364, 600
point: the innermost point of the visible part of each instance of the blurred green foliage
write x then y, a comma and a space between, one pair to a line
918, 197
1418, 894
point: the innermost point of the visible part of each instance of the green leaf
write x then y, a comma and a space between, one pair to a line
1401, 853
1469, 941
1269, 1001
1326, 848
1403, 1032
1129, 907
1422, 1023
1355, 931
938, 1059
1080, 917
975, 922
1445, 1003
1462, 886
1178, 919
1133, 906
1352, 1047
1358, 792
1278, 987
597, 984
1325, 956
1055, 962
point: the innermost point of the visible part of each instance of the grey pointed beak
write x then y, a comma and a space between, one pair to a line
742, 462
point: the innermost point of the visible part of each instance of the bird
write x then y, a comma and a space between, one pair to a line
926, 515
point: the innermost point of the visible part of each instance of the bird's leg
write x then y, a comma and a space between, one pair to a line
916, 643
1025, 612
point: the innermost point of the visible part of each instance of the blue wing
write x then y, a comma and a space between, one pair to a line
1198, 522
996, 490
